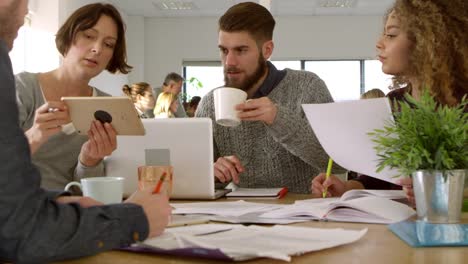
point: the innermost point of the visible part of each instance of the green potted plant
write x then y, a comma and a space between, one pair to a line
428, 142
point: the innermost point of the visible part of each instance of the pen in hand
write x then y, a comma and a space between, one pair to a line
329, 167
157, 189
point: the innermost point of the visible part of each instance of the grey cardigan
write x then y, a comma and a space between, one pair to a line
57, 159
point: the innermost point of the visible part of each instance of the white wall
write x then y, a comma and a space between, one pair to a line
170, 41
136, 48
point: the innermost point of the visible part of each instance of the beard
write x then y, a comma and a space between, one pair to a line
10, 23
249, 80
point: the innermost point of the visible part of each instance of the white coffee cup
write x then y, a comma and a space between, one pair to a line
225, 101
106, 190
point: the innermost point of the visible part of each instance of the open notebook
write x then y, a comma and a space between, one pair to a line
366, 206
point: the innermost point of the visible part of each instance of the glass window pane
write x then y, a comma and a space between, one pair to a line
293, 65
374, 77
209, 76
341, 77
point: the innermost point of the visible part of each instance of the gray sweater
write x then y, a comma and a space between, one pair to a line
57, 159
287, 153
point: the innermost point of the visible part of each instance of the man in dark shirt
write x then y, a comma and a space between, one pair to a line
40, 226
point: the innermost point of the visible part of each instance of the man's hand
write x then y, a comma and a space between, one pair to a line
228, 168
261, 109
156, 208
83, 201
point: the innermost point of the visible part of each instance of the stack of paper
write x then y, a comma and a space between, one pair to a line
238, 212
239, 243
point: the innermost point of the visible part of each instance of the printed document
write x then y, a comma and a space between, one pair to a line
240, 243
342, 129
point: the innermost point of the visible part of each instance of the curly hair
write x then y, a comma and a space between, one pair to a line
439, 52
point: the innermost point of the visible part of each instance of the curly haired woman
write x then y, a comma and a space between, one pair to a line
424, 46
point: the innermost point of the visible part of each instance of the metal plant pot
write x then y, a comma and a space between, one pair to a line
439, 195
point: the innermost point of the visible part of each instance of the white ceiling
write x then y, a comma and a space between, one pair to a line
150, 8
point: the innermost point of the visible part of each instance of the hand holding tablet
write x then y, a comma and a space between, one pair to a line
118, 111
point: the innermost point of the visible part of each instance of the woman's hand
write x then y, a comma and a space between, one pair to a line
333, 185
48, 121
102, 141
407, 184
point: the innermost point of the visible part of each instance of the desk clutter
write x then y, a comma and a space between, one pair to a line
239, 243
365, 206
233, 242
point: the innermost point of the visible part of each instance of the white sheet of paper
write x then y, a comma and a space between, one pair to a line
236, 208
242, 243
366, 209
342, 129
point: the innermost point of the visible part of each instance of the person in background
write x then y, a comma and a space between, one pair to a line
91, 40
166, 105
142, 96
192, 106
274, 146
373, 93
408, 51
172, 84
39, 226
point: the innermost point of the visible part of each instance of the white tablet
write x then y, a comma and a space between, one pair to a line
118, 111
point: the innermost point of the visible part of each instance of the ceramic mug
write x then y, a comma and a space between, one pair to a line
107, 190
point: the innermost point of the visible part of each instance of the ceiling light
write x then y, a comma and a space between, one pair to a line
338, 3
175, 5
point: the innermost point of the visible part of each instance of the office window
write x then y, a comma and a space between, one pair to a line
374, 77
343, 78
209, 76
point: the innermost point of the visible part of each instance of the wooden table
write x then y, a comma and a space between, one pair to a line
379, 245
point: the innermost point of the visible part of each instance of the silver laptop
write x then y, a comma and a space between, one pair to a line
184, 143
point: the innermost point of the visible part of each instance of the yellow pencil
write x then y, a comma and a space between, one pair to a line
329, 167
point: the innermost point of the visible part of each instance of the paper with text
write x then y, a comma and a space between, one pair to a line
236, 208
342, 129
365, 209
248, 242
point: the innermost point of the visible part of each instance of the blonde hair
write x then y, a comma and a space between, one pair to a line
373, 93
163, 104
136, 89
438, 58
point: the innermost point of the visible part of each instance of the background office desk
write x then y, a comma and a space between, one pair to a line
379, 245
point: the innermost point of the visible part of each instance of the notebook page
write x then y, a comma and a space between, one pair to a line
374, 208
236, 208
388, 194
344, 136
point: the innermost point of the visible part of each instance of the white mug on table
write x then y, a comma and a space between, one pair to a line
106, 190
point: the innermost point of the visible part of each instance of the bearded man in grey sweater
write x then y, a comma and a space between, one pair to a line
274, 146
